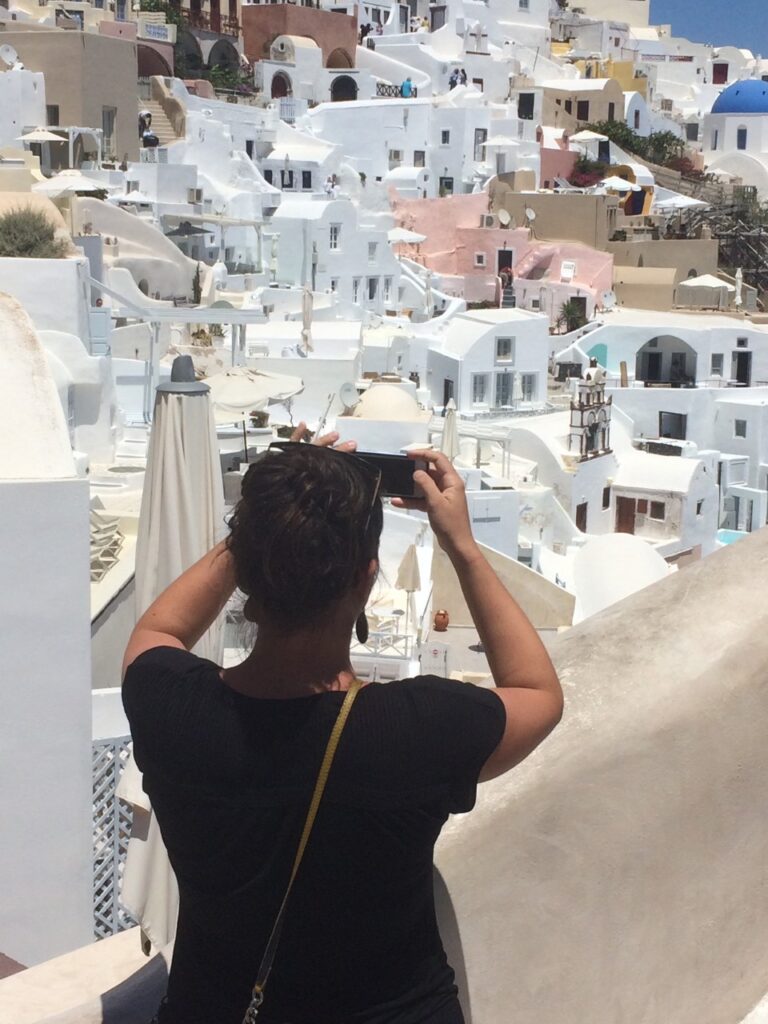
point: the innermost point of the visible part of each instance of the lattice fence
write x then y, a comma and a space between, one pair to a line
111, 832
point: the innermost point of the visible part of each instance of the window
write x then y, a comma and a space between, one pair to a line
658, 510
568, 106
528, 386
673, 425
481, 134
636, 121
739, 428
356, 289
479, 82
699, 507
642, 506
387, 289
373, 288
286, 178
741, 138
480, 259
334, 284
716, 364
715, 138
524, 5
479, 388
52, 114
692, 131
445, 138
525, 103
503, 389
445, 186
306, 180
108, 118
268, 175
606, 497
611, 111
395, 158
742, 342
419, 157
505, 350
372, 246
582, 110
334, 233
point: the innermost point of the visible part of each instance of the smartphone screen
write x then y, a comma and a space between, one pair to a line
396, 472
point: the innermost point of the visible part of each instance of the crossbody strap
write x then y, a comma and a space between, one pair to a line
269, 953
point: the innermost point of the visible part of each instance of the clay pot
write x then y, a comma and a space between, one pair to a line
441, 620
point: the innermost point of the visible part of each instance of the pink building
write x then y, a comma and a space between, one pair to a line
474, 255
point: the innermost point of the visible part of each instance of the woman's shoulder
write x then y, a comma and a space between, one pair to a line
432, 692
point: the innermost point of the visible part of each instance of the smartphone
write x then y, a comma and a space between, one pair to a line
396, 472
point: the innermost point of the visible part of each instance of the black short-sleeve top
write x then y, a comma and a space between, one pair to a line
230, 778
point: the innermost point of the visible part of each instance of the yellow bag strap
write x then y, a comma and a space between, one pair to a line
269, 953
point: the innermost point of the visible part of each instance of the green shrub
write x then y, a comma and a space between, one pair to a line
27, 233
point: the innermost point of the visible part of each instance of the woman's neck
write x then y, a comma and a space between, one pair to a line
295, 663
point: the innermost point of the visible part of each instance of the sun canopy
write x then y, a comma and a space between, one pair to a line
237, 393
40, 135
68, 183
619, 184
403, 235
587, 136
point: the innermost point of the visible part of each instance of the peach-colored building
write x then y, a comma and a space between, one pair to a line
334, 33
472, 251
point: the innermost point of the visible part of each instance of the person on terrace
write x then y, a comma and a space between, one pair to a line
230, 756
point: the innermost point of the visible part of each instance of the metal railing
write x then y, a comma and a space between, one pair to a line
392, 645
112, 820
211, 21
387, 91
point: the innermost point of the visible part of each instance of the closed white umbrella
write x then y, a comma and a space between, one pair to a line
307, 305
181, 518
738, 299
238, 392
409, 579
517, 390
428, 300
449, 444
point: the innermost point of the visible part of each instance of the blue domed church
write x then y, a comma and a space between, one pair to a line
735, 136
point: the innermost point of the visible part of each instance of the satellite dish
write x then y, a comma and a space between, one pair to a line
349, 396
504, 218
8, 55
530, 214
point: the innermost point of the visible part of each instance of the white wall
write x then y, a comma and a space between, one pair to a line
45, 719
22, 104
53, 292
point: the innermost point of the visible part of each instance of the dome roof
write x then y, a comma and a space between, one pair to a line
747, 97
388, 402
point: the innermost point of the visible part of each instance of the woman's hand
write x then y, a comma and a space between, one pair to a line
325, 440
444, 501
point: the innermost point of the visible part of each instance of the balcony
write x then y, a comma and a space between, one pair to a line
211, 21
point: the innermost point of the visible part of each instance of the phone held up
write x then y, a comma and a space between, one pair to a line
396, 472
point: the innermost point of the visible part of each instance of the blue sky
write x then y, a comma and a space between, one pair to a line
735, 22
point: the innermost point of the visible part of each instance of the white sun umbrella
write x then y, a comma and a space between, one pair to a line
409, 580
238, 392
588, 136
40, 135
307, 305
738, 298
517, 390
135, 196
619, 184
449, 445
68, 183
181, 518
402, 236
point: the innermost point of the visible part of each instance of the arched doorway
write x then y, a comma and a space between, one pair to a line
343, 88
150, 62
339, 58
188, 56
281, 86
224, 55
666, 360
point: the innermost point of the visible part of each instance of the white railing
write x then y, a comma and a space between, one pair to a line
111, 831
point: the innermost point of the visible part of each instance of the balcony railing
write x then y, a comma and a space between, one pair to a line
383, 89
211, 21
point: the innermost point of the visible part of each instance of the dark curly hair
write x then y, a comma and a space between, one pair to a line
307, 523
